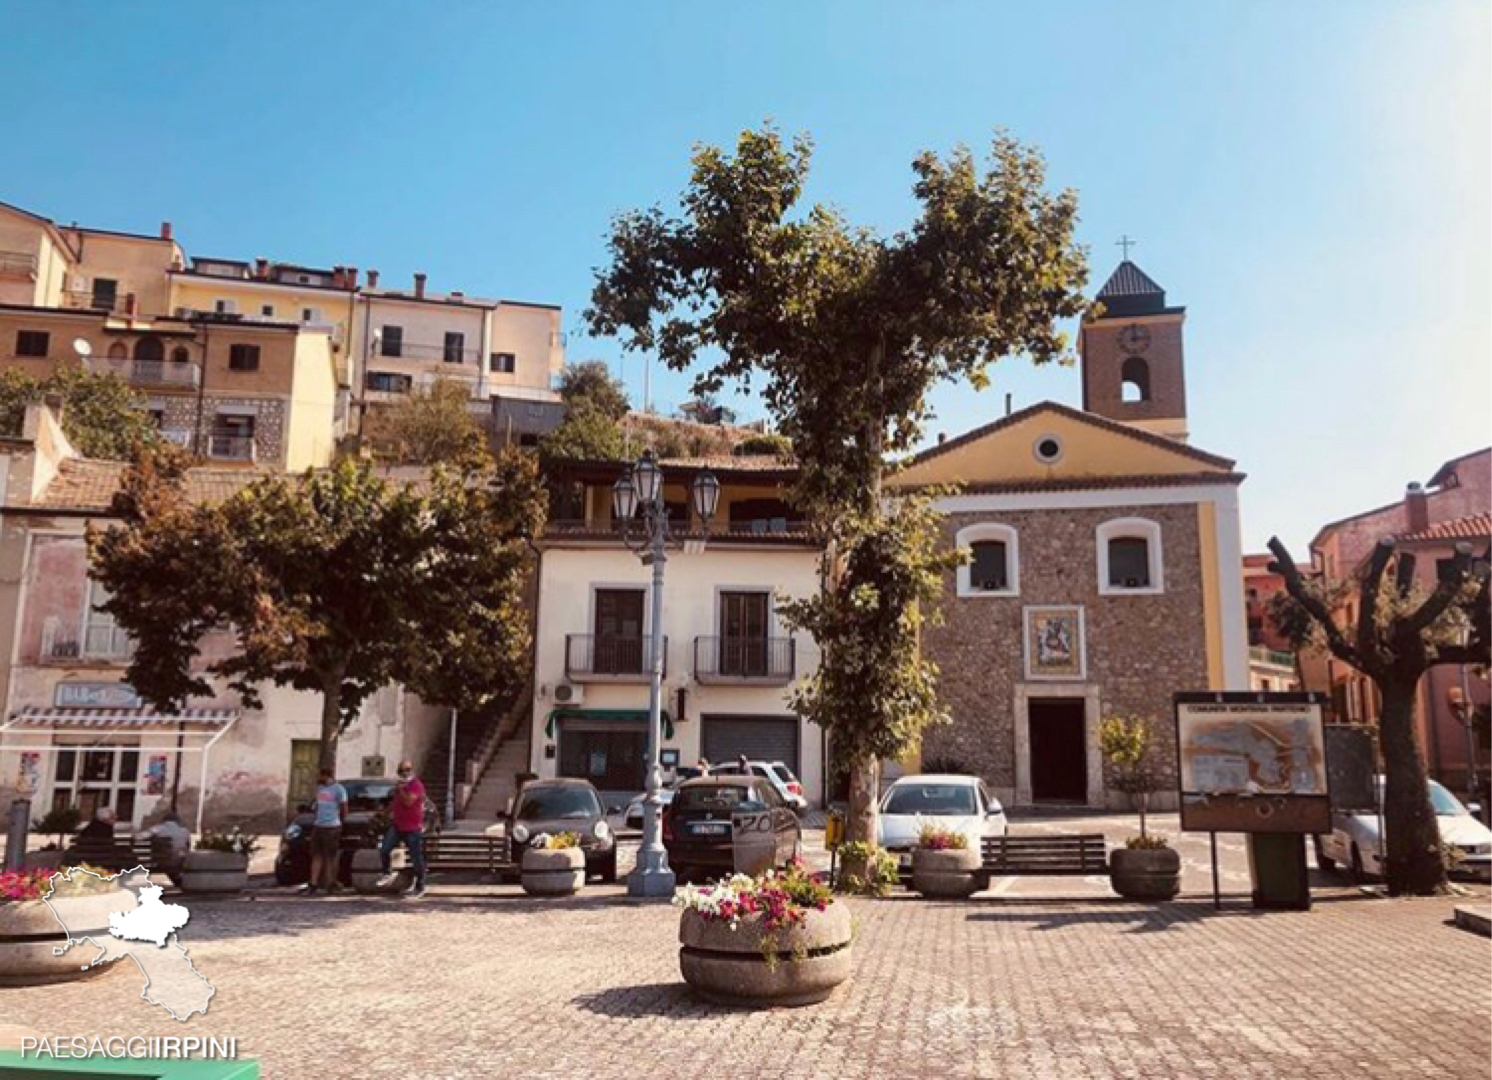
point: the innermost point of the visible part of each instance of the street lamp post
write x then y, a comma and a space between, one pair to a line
640, 493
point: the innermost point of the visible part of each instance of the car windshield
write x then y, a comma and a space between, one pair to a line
934, 799
545, 804
366, 796
723, 797
1445, 804
784, 772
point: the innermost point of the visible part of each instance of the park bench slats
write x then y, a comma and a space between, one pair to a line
1042, 855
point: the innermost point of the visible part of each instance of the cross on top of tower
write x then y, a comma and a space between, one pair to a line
1126, 243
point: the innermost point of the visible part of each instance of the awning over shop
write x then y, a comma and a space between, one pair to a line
61, 716
606, 714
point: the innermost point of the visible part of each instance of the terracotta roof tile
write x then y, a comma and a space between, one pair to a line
85, 484
1099, 483
1471, 527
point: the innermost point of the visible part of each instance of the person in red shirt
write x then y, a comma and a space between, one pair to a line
406, 826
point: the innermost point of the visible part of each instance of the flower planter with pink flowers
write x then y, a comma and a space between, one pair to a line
775, 940
33, 915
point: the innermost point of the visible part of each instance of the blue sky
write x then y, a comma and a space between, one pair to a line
1314, 182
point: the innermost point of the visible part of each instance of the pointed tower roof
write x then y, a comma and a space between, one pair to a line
1130, 291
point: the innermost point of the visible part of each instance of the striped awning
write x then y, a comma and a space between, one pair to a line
101, 717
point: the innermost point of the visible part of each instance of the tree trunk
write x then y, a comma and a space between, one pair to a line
331, 719
865, 779
1414, 865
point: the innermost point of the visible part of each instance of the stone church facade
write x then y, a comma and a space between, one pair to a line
1104, 573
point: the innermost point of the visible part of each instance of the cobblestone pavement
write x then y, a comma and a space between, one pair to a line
478, 981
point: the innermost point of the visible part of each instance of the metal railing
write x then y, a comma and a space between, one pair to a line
412, 350
147, 372
745, 659
181, 437
13, 263
774, 529
87, 300
604, 657
1263, 655
230, 447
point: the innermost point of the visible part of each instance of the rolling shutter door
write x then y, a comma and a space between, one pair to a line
760, 738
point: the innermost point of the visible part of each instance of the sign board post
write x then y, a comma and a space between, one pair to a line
1256, 763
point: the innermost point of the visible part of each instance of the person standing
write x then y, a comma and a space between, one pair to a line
406, 826
326, 834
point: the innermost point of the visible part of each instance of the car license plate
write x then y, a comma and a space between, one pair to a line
710, 828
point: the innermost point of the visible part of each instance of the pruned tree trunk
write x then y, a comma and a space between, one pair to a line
1414, 865
865, 780
331, 720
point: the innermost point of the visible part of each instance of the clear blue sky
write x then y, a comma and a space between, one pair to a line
1311, 180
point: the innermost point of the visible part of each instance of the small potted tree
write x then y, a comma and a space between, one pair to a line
58, 822
944, 864
219, 863
553, 865
1147, 867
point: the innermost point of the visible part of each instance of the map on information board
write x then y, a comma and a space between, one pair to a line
1251, 748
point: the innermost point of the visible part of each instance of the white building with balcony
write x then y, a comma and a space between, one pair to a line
731, 664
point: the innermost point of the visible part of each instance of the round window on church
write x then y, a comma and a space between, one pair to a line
1048, 449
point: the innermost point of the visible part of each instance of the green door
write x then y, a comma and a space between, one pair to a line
305, 754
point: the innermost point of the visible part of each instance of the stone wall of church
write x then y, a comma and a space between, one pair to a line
1140, 649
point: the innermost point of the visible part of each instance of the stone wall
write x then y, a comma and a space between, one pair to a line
1140, 649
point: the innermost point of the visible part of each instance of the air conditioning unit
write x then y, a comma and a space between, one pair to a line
568, 693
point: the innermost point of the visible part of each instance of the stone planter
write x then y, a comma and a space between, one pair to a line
30, 930
214, 872
1145, 873
730, 967
553, 873
367, 868
951, 874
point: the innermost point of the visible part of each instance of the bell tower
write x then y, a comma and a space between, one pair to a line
1133, 366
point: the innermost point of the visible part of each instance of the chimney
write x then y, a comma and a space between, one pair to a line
1417, 506
129, 304
419, 286
261, 268
1008, 397
351, 277
372, 279
337, 277
942, 437
165, 230
457, 296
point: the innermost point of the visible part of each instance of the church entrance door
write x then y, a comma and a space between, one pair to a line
1059, 751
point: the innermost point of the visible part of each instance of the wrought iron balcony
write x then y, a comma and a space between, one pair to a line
609, 658
1262, 655
98, 642
148, 372
754, 661
88, 300
413, 350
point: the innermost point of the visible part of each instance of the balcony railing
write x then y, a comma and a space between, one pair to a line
750, 660
412, 350
181, 437
1261, 655
773, 530
87, 300
97, 642
17, 264
606, 658
230, 447
147, 372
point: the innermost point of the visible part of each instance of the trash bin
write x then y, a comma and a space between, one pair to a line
753, 841
1277, 866
834, 829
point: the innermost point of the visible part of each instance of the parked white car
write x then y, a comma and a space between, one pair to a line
782, 778
956, 803
1354, 842
632, 817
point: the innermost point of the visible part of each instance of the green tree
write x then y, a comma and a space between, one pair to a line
434, 426
337, 582
591, 381
1401, 633
847, 331
586, 434
769, 444
1124, 743
102, 416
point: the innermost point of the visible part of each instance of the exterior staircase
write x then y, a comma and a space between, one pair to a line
490, 745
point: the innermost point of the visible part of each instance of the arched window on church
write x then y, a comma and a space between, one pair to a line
118, 350
1135, 379
150, 348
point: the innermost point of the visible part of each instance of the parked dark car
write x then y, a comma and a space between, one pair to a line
697, 823
367, 803
559, 806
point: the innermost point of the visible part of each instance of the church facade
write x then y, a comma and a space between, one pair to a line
1104, 572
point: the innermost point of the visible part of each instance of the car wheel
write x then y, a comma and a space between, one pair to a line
284, 875
608, 869
1357, 870
1324, 861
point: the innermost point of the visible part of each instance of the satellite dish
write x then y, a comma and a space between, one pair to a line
81, 347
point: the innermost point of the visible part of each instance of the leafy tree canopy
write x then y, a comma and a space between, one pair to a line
337, 582
101, 415
591, 381
769, 443
434, 426
586, 434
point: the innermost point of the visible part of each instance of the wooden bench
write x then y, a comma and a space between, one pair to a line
1079, 855
123, 853
470, 852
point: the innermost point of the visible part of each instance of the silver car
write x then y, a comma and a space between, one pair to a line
957, 803
1354, 842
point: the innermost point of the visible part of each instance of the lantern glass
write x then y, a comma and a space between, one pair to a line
648, 478
706, 496
623, 499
